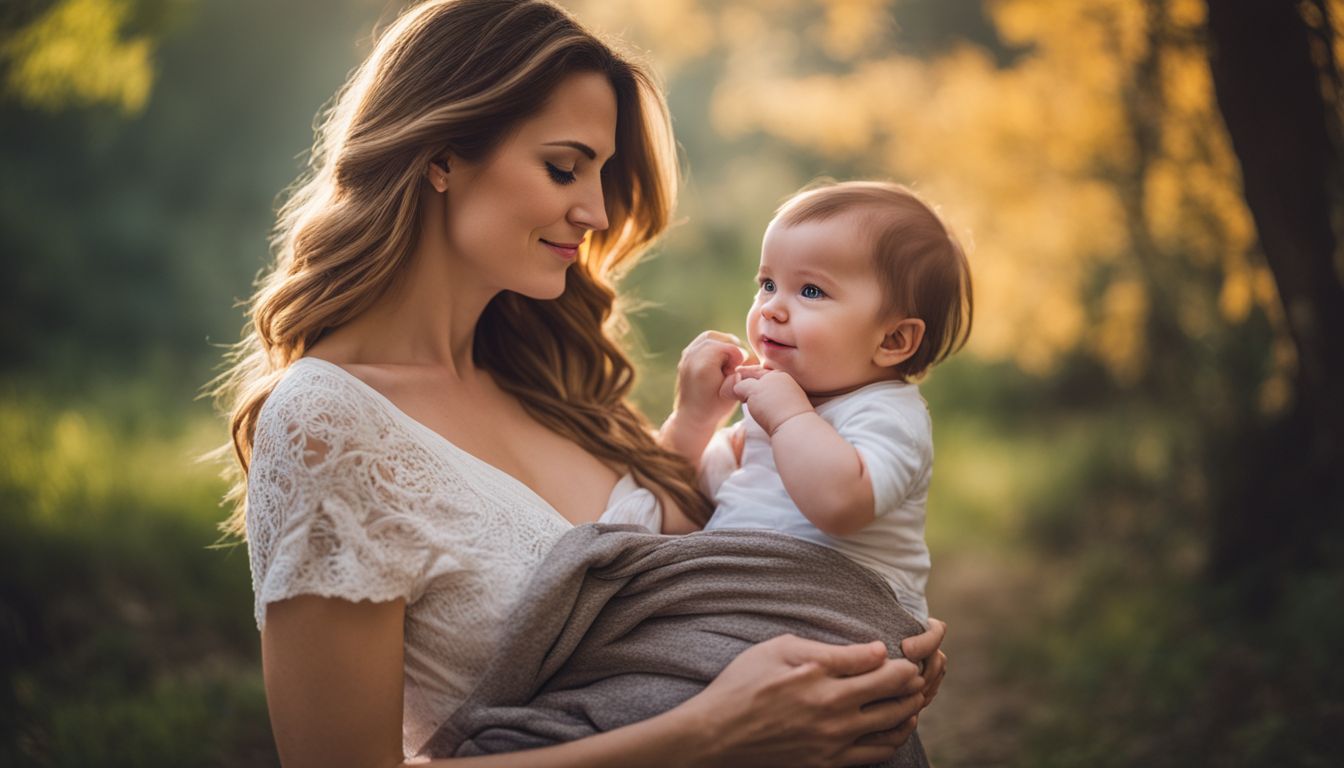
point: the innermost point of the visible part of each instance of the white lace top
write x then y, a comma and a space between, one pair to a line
349, 497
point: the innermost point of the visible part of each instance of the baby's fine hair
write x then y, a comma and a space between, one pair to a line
920, 265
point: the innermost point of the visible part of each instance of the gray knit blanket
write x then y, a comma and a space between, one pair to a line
619, 625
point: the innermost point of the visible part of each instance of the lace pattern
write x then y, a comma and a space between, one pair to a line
348, 497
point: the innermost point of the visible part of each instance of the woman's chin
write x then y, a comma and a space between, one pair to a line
543, 291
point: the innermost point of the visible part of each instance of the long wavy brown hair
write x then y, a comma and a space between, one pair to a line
455, 76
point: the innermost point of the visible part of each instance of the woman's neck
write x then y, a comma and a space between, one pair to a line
427, 317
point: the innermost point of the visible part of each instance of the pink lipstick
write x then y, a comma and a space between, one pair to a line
566, 251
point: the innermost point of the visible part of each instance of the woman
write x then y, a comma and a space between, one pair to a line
428, 398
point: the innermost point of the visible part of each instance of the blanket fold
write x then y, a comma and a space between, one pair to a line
619, 625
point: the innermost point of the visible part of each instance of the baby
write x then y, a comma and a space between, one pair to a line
862, 289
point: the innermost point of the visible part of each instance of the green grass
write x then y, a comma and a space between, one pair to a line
127, 640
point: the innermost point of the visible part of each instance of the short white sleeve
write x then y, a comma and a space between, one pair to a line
718, 461
896, 443
325, 513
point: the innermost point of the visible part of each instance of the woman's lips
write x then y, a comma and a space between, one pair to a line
566, 251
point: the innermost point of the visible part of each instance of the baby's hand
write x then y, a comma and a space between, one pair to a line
705, 376
773, 396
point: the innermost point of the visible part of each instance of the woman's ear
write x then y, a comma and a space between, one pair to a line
900, 343
437, 174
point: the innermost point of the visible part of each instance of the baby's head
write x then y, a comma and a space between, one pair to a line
859, 282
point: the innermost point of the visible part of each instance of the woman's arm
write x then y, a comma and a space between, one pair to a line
333, 672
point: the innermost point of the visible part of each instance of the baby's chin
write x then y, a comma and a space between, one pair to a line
822, 388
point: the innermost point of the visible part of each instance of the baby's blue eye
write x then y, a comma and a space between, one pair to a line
812, 292
768, 285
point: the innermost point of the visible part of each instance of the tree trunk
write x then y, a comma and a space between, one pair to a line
1270, 94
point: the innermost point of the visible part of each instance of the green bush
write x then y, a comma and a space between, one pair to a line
127, 639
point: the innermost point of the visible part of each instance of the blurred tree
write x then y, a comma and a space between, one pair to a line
1278, 87
1083, 146
1080, 144
81, 53
130, 232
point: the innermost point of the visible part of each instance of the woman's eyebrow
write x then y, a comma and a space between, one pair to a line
580, 146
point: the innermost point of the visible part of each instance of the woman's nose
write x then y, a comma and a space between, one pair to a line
590, 212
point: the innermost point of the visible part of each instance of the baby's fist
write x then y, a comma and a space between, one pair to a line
703, 374
772, 396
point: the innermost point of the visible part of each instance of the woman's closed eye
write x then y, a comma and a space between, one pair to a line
560, 175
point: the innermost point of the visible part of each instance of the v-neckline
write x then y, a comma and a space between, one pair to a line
438, 438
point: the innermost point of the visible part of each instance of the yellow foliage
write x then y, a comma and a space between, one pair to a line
852, 27
61, 461
681, 28
1119, 338
1186, 14
74, 56
1039, 158
1234, 300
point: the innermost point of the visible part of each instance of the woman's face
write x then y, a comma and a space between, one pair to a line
517, 217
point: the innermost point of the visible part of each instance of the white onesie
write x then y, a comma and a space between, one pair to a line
888, 422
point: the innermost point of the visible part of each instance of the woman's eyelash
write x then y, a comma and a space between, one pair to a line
560, 176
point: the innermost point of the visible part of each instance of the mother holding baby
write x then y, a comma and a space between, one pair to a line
428, 398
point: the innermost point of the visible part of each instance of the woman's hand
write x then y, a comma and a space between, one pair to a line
790, 701
924, 649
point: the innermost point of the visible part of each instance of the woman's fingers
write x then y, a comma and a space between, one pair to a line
889, 715
922, 646
894, 737
865, 755
893, 679
934, 673
836, 660
879, 746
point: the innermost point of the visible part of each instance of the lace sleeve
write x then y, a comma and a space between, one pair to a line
325, 513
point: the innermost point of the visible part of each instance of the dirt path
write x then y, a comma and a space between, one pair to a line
977, 718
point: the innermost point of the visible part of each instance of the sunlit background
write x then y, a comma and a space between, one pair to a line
1134, 540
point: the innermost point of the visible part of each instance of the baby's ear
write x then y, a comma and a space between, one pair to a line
900, 343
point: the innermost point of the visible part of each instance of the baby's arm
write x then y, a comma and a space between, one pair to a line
821, 470
704, 400
704, 395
